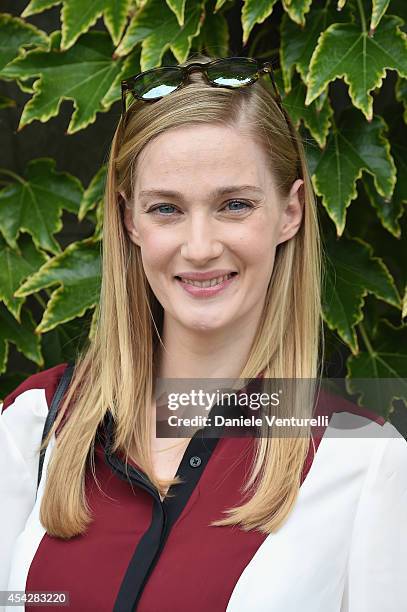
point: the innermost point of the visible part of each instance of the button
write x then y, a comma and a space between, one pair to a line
195, 461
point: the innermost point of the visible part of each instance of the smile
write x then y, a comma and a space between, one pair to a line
208, 287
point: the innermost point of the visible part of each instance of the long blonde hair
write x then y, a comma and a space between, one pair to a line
116, 369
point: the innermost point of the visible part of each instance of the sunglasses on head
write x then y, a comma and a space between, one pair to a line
232, 73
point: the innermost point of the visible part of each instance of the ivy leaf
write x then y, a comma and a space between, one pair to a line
378, 10
298, 43
214, 35
401, 94
17, 264
297, 9
388, 211
93, 194
83, 74
78, 17
383, 358
355, 145
6, 102
156, 26
130, 67
22, 334
178, 8
316, 116
93, 197
345, 51
16, 34
38, 6
77, 271
353, 272
34, 204
219, 4
255, 11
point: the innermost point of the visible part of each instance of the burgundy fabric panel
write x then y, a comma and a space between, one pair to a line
46, 379
200, 565
91, 567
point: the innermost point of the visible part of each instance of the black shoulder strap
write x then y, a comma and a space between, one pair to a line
53, 411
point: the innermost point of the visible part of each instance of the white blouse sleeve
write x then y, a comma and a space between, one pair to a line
376, 580
21, 427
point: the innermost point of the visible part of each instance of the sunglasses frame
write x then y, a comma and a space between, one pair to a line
262, 68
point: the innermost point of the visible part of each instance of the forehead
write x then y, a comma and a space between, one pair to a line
195, 153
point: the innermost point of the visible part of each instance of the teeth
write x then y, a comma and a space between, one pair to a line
208, 283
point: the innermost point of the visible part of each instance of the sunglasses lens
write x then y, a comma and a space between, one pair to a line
232, 73
157, 84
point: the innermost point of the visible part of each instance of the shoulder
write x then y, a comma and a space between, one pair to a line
42, 383
349, 435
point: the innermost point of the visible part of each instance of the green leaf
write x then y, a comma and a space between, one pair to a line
21, 334
34, 204
6, 102
316, 117
94, 197
219, 5
393, 208
77, 271
130, 67
378, 10
94, 193
298, 43
255, 11
178, 8
78, 16
345, 51
355, 145
156, 27
297, 9
383, 358
214, 35
352, 272
401, 94
38, 6
83, 74
388, 211
17, 264
16, 34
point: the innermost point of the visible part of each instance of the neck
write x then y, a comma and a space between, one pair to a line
203, 354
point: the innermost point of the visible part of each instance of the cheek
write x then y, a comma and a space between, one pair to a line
256, 245
156, 247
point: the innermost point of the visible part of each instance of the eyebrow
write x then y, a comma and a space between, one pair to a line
217, 192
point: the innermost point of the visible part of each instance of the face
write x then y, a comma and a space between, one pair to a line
205, 201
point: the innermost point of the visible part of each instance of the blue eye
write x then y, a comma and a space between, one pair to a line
159, 212
238, 202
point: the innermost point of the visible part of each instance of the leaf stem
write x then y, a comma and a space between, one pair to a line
366, 340
362, 15
40, 300
13, 175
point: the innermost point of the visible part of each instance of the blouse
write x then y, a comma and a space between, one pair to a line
343, 547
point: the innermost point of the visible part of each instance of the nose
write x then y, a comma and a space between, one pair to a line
201, 242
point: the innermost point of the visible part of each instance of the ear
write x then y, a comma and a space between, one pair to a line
128, 220
292, 213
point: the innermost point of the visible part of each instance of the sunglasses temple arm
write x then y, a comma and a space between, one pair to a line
273, 82
123, 99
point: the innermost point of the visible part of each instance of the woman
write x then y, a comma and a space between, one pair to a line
205, 180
